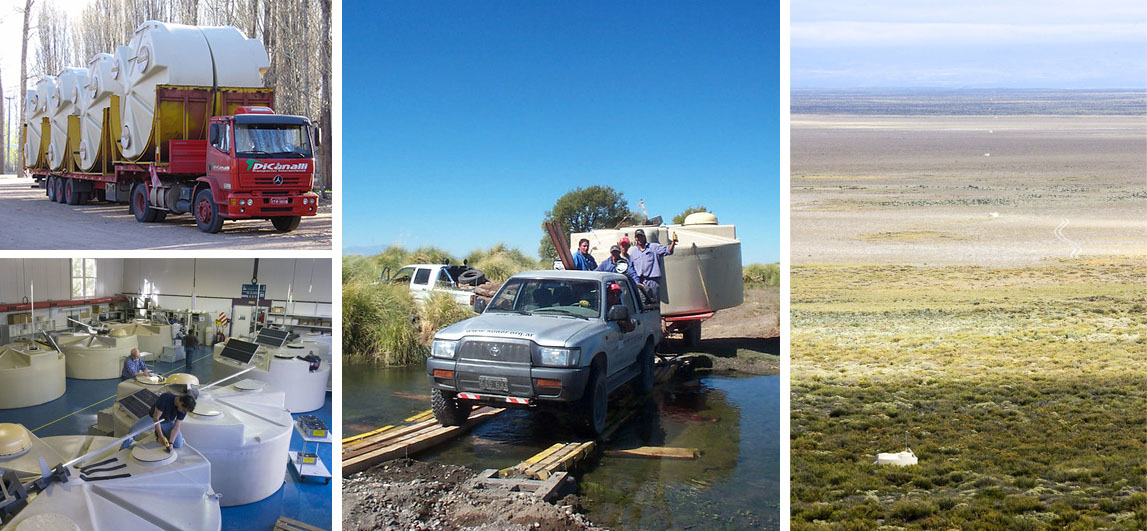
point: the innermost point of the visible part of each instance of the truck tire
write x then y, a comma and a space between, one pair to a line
692, 334
51, 188
644, 380
592, 406
59, 193
472, 277
141, 205
207, 212
447, 410
286, 223
71, 195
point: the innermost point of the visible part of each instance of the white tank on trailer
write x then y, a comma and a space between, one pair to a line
31, 373
62, 104
173, 492
34, 157
96, 357
280, 367
176, 54
103, 81
242, 428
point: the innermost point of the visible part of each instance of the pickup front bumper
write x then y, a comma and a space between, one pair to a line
507, 384
240, 205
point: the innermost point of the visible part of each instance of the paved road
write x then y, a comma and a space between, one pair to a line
30, 221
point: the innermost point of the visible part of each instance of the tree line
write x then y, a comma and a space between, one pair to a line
296, 34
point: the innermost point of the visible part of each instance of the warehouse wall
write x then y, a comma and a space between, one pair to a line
53, 278
209, 284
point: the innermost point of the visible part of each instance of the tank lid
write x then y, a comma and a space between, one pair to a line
48, 522
118, 332
701, 218
182, 378
14, 439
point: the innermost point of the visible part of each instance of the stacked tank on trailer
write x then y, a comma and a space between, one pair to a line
175, 122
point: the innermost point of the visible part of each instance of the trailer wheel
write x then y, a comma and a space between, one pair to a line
143, 211
51, 188
207, 212
70, 193
447, 410
60, 197
286, 223
692, 334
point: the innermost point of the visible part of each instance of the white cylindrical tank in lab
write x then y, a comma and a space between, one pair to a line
95, 357
31, 373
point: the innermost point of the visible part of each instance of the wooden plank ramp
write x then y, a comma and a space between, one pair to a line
656, 452
287, 524
364, 451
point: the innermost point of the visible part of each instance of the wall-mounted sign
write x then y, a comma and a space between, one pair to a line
254, 291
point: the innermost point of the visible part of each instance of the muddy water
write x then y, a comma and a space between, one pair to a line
733, 421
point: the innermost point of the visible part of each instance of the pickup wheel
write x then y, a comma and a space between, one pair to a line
286, 223
592, 407
646, 359
207, 212
139, 202
447, 410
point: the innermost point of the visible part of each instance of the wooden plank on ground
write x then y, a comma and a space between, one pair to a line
428, 434
656, 452
361, 436
287, 524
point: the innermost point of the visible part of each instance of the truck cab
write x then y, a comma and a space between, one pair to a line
555, 339
259, 165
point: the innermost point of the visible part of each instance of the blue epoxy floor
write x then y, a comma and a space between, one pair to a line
306, 501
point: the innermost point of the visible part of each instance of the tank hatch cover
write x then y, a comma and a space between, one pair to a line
14, 439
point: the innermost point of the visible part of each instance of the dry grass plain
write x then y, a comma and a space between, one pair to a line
937, 291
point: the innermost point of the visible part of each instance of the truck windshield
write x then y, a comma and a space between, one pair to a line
272, 141
579, 298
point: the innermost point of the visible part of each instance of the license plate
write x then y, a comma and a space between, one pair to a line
280, 201
492, 383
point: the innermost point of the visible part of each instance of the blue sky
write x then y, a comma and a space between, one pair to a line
972, 44
463, 122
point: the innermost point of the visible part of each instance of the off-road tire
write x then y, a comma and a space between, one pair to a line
141, 205
286, 223
591, 409
472, 277
647, 359
447, 410
206, 212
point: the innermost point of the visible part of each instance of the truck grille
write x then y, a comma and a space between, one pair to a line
269, 180
494, 351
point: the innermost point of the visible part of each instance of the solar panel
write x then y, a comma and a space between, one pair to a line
272, 337
239, 350
139, 403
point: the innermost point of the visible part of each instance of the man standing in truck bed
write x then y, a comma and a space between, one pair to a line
643, 260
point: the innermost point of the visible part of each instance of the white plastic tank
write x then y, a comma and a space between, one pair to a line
151, 335
280, 367
62, 104
176, 54
103, 81
34, 157
241, 427
96, 357
31, 373
905, 458
703, 274
161, 491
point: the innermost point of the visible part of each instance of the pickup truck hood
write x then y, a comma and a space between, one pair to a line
544, 330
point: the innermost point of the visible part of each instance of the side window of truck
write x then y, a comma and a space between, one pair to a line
444, 280
403, 275
422, 277
216, 136
627, 298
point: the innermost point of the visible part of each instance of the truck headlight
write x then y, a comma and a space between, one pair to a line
440, 348
559, 357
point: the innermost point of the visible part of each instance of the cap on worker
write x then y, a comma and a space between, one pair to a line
613, 248
624, 241
639, 232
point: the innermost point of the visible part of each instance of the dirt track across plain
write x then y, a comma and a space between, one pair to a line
33, 222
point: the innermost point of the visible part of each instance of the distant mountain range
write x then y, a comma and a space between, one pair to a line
919, 101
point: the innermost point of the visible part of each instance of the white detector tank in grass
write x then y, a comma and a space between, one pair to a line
175, 54
145, 488
34, 157
242, 429
151, 335
103, 81
284, 371
63, 103
31, 373
704, 272
96, 357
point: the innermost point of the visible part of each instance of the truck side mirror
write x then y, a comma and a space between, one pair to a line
617, 312
318, 135
479, 305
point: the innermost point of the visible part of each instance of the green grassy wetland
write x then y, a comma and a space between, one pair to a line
1023, 391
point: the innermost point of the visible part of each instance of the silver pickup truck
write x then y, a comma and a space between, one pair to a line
562, 339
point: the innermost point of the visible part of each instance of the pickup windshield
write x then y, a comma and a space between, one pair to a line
579, 298
271, 141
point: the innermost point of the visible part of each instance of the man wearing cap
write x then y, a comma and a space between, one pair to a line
610, 265
583, 261
643, 261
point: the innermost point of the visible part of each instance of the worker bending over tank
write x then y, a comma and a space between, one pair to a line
133, 366
169, 411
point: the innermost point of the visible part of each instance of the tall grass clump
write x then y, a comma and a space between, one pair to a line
378, 325
440, 311
500, 263
763, 274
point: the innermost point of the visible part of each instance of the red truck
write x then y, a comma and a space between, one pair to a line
219, 153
